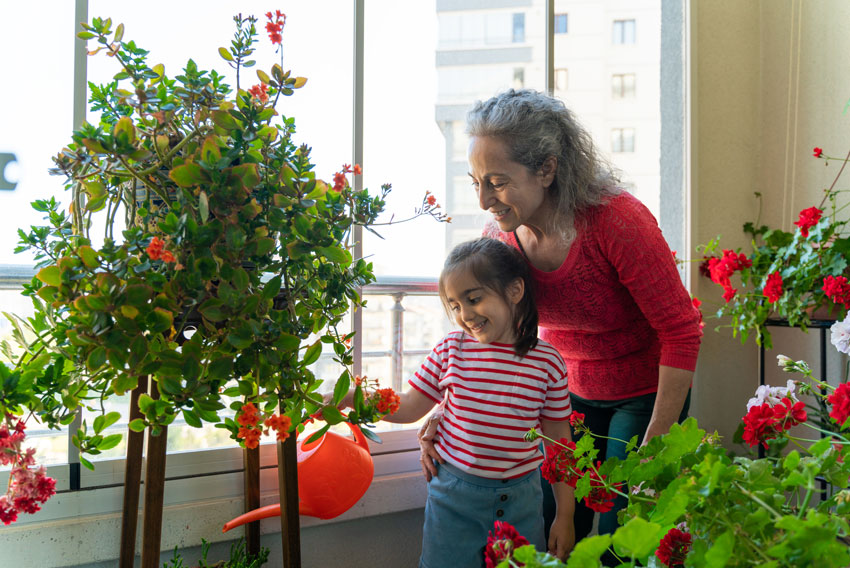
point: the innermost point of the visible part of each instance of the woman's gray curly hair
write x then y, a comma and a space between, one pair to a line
536, 126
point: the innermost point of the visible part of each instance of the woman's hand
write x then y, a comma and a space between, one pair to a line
428, 456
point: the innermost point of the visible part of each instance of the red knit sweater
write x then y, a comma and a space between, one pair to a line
616, 308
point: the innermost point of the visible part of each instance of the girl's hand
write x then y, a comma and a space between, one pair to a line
429, 457
562, 537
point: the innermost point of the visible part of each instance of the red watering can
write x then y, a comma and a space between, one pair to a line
333, 474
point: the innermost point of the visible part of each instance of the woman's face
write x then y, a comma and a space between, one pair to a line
508, 190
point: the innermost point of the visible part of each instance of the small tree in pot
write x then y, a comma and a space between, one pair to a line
192, 208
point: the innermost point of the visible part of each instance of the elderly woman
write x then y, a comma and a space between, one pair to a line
607, 288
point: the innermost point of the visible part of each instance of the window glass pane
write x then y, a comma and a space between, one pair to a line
36, 123
602, 85
560, 23
519, 28
322, 108
465, 76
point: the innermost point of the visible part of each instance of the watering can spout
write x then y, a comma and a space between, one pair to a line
334, 472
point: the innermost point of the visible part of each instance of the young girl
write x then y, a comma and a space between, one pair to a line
499, 381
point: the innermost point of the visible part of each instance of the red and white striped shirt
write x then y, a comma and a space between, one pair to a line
494, 398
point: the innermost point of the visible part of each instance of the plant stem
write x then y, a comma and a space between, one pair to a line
755, 498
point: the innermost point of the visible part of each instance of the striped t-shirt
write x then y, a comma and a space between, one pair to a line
494, 398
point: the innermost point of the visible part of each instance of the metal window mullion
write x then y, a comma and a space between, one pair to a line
549, 14
81, 14
359, 41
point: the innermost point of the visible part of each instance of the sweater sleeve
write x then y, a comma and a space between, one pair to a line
629, 235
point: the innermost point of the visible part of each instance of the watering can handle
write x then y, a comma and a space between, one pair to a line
358, 436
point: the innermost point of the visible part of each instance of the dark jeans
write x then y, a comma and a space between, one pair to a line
618, 419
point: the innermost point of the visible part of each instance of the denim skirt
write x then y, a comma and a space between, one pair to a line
462, 509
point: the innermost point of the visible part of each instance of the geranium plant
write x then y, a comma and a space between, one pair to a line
199, 247
788, 275
692, 503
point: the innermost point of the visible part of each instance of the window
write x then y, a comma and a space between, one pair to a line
623, 85
519, 78
623, 140
624, 31
561, 22
519, 28
561, 79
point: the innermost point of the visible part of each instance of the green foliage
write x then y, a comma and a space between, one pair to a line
738, 511
239, 557
802, 262
226, 231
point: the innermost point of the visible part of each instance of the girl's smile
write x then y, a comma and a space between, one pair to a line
481, 312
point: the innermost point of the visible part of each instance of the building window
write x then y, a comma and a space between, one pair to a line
623, 85
519, 78
561, 21
623, 140
624, 31
561, 77
519, 28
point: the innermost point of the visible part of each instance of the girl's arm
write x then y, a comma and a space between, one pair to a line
413, 405
562, 535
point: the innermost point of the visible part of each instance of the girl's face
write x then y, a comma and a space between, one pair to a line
514, 195
481, 312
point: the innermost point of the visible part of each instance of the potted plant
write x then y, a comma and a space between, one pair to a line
788, 275
694, 503
199, 248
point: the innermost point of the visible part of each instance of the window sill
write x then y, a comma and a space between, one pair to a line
86, 524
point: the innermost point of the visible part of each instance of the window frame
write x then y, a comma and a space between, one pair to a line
400, 451
620, 29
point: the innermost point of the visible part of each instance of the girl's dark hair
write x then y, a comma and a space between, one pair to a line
496, 265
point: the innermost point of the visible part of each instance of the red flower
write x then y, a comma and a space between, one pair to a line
432, 200
837, 289
274, 27
773, 288
759, 425
357, 169
167, 256
817, 152
386, 401
840, 401
8, 513
155, 247
601, 497
248, 415
560, 463
260, 92
789, 413
501, 544
729, 293
696, 302
576, 419
764, 422
280, 424
339, 181
808, 219
674, 547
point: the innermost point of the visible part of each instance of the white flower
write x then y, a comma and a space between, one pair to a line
841, 335
772, 395
784, 360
